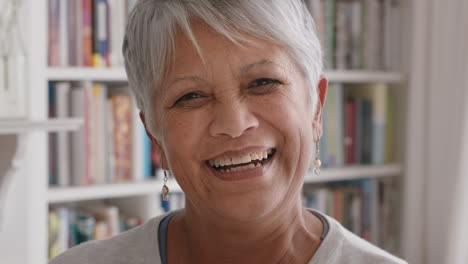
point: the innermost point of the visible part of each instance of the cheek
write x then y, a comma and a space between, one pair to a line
290, 117
182, 135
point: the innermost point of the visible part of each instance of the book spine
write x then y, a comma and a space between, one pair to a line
331, 129
63, 34
341, 35
100, 34
350, 130
138, 145
122, 136
62, 100
356, 35
71, 32
87, 33
339, 112
52, 138
53, 34
330, 32
110, 147
367, 131
146, 154
78, 18
54, 226
64, 235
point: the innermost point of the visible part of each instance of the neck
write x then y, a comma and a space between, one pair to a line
289, 235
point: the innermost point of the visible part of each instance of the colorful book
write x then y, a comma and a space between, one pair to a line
122, 115
87, 33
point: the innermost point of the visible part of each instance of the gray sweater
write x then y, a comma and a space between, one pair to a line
140, 246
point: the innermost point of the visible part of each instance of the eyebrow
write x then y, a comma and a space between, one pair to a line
243, 69
248, 67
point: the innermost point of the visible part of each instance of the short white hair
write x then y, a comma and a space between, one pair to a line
152, 25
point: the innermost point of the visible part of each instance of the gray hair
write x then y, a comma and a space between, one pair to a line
149, 38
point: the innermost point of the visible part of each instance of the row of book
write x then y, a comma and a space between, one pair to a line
69, 226
358, 34
365, 207
111, 146
87, 33
73, 225
357, 125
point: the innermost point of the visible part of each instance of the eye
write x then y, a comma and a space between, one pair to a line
186, 98
263, 83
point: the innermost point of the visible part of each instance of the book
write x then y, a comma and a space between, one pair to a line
330, 33
335, 136
53, 32
98, 122
53, 235
52, 138
62, 103
63, 34
122, 116
356, 205
366, 132
87, 33
80, 167
100, 33
350, 131
375, 114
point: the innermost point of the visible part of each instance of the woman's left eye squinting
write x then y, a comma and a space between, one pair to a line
188, 99
263, 83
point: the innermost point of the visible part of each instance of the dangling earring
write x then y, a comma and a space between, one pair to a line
317, 163
165, 189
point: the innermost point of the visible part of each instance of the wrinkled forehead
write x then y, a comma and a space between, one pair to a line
207, 51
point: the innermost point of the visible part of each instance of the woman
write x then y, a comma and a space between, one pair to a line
231, 92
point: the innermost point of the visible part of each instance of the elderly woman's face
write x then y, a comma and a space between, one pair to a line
237, 129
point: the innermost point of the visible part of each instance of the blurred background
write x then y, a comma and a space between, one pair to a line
76, 164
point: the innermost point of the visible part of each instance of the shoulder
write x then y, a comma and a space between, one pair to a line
342, 246
138, 245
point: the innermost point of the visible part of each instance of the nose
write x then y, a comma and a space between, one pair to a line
232, 119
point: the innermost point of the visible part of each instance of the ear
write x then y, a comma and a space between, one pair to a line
317, 122
155, 142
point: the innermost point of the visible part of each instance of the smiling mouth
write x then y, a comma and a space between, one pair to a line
238, 164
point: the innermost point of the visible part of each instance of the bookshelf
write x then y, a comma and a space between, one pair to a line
107, 191
50, 125
29, 190
119, 75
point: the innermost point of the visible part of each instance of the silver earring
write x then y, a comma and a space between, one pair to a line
165, 189
317, 162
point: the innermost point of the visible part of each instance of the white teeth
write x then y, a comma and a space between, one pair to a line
258, 165
240, 160
221, 170
251, 166
246, 159
254, 156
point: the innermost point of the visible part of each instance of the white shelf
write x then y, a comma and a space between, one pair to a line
50, 125
358, 76
82, 193
119, 75
354, 172
87, 74
117, 190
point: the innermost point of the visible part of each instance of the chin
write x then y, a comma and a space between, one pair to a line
248, 208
